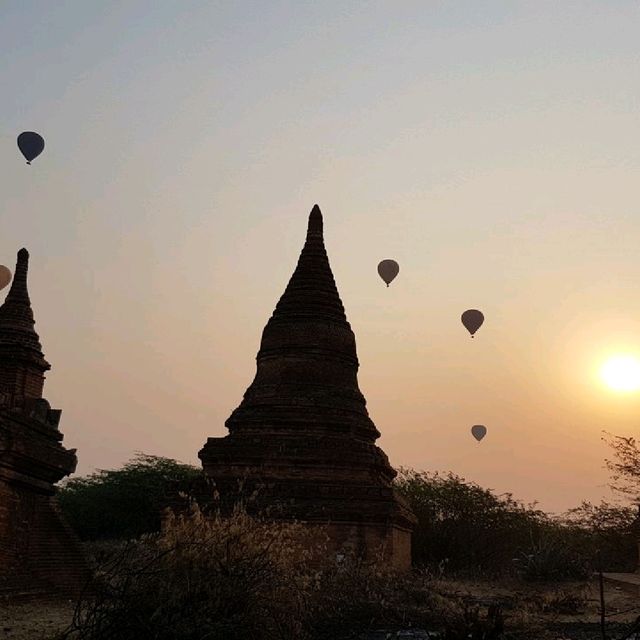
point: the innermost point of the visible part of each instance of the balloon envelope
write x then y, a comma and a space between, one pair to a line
5, 276
30, 144
472, 319
388, 270
479, 431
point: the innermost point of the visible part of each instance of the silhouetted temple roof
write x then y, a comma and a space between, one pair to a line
312, 291
17, 333
307, 364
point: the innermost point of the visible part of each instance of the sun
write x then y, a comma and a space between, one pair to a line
621, 373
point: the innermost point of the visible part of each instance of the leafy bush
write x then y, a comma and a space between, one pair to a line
465, 527
610, 530
127, 502
551, 558
467, 530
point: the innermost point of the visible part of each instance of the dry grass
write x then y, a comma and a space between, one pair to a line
246, 578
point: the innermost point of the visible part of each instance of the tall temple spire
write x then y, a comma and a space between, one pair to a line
21, 359
302, 431
37, 547
307, 356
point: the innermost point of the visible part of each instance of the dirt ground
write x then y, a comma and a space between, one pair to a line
560, 611
41, 620
556, 610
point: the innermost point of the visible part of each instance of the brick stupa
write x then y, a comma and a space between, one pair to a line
302, 434
38, 550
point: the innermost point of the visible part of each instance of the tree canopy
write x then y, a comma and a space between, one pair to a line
126, 502
625, 466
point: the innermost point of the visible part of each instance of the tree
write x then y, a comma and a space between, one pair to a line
126, 502
465, 526
625, 467
607, 529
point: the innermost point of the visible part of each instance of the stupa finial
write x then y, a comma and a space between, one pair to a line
315, 222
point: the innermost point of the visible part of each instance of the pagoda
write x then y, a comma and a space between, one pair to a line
38, 550
302, 442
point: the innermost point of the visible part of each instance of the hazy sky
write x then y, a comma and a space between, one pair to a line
491, 148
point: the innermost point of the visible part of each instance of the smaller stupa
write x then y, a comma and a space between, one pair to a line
38, 550
301, 443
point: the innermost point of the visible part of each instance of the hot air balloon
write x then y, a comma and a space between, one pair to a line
479, 431
388, 270
31, 144
472, 319
5, 276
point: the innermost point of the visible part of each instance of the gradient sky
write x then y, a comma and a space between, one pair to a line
491, 148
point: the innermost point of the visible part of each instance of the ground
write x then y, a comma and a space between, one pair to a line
560, 611
556, 611
34, 620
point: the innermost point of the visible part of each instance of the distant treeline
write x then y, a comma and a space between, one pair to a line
462, 528
467, 530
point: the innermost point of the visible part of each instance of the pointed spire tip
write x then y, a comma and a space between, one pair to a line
315, 221
22, 263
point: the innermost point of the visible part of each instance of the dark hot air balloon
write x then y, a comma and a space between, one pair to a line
30, 144
5, 276
479, 431
472, 319
388, 270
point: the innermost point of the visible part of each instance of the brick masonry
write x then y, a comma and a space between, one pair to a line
301, 441
37, 547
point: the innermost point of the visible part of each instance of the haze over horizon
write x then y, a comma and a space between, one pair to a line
492, 151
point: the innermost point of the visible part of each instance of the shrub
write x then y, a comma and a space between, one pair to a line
242, 577
127, 502
467, 530
610, 530
570, 602
223, 578
465, 527
551, 557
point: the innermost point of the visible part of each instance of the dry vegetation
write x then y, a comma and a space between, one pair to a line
486, 567
539, 611
245, 578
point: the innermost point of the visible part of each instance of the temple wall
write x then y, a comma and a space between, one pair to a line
33, 385
35, 541
387, 544
16, 512
15, 379
401, 541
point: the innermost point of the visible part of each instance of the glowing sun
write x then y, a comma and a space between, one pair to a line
621, 373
